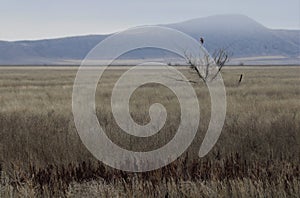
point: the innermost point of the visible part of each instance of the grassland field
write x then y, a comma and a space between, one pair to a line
257, 154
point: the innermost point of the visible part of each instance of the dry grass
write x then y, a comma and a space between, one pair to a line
257, 154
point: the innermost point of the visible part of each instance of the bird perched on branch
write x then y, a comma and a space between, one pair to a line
202, 40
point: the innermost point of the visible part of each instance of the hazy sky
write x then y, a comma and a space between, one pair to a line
36, 19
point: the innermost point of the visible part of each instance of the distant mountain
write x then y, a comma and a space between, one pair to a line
249, 41
242, 36
50, 51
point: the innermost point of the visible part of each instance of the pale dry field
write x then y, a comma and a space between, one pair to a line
257, 154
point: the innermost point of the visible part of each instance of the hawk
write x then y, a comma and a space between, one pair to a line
201, 40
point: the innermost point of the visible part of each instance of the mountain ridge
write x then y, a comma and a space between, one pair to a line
240, 34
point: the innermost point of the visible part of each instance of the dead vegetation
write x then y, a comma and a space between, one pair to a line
207, 67
257, 154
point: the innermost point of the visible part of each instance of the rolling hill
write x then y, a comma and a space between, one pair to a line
249, 41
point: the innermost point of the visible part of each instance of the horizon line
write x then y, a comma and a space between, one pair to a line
110, 33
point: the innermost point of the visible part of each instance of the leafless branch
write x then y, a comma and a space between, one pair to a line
220, 57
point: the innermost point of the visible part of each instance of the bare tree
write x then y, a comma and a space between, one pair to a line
206, 67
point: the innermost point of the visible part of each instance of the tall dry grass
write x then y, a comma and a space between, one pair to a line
257, 154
